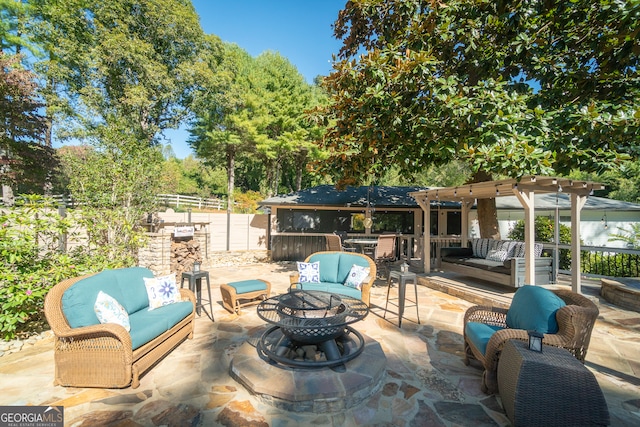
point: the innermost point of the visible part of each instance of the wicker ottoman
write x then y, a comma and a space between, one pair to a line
551, 388
247, 292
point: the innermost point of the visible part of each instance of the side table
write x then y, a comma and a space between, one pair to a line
402, 286
551, 388
195, 284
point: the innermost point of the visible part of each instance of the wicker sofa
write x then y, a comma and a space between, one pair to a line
334, 268
88, 353
567, 324
498, 261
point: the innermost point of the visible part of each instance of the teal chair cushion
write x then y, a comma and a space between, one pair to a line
126, 285
334, 288
479, 334
534, 309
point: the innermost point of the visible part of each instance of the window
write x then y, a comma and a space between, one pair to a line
318, 221
325, 221
395, 222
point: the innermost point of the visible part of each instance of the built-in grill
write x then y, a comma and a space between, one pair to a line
311, 329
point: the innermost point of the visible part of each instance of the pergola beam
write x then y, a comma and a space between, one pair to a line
525, 189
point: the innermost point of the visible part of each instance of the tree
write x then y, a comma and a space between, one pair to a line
223, 128
116, 188
285, 133
24, 162
510, 88
131, 63
254, 118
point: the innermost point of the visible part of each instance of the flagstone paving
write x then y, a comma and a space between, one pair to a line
426, 382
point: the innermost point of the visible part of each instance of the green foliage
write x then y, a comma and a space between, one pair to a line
419, 84
25, 162
253, 120
247, 202
116, 188
31, 261
544, 232
612, 265
631, 237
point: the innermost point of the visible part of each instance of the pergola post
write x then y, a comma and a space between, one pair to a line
527, 200
426, 233
465, 208
577, 203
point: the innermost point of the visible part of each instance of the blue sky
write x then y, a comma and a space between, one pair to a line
300, 30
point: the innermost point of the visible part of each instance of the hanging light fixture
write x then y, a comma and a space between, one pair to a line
604, 220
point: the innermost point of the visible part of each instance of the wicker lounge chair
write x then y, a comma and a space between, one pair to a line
575, 322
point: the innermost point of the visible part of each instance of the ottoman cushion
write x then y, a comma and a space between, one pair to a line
245, 286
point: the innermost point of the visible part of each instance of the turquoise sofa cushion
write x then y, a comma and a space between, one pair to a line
534, 309
126, 285
335, 288
329, 264
479, 334
245, 286
146, 325
347, 261
131, 282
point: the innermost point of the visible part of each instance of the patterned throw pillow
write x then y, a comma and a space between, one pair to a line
162, 290
309, 272
109, 310
357, 276
497, 255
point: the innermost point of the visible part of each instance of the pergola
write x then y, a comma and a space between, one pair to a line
524, 189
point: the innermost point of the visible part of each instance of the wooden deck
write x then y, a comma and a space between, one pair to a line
487, 293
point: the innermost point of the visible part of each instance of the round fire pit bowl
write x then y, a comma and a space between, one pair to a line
303, 319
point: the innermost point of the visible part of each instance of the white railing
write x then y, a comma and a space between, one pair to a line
178, 200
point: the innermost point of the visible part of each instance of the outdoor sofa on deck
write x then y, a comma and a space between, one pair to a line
498, 261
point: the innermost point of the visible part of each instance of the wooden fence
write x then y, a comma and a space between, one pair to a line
178, 200
170, 200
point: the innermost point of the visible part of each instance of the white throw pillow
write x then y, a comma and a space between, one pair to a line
162, 290
356, 276
109, 310
497, 255
309, 272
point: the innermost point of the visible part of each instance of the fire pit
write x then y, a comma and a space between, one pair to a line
311, 329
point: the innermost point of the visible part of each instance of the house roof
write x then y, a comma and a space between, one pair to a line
399, 197
548, 202
328, 195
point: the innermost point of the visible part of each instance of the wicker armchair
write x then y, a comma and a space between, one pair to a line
575, 323
348, 259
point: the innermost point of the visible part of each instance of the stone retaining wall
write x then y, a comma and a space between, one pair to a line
156, 256
620, 294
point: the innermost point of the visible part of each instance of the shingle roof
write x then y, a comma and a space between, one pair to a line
387, 196
328, 195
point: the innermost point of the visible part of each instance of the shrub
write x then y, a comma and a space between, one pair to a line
31, 262
544, 232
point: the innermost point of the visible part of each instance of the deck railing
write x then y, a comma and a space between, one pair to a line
597, 260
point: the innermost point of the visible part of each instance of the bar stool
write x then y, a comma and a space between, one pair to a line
402, 278
195, 285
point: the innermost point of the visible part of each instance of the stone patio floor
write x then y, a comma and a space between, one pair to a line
426, 382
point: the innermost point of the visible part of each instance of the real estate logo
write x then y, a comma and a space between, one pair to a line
31, 416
